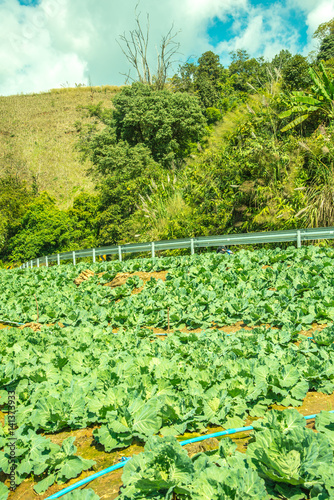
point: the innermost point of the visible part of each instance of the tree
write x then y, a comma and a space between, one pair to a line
203, 78
149, 131
324, 30
14, 198
44, 230
136, 47
208, 79
319, 101
83, 215
325, 35
295, 74
326, 50
167, 123
247, 72
280, 60
125, 176
184, 80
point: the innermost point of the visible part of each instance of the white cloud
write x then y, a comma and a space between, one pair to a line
320, 13
29, 61
316, 12
74, 41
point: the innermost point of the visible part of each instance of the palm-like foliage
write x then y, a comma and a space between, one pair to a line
320, 100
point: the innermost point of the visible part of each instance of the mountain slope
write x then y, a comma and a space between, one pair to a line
38, 134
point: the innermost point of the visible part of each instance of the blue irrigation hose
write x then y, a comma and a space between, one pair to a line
125, 460
4, 322
216, 434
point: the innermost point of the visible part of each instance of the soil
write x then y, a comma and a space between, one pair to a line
121, 278
83, 276
34, 326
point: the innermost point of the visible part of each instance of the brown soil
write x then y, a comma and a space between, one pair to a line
208, 444
315, 326
84, 276
34, 326
121, 278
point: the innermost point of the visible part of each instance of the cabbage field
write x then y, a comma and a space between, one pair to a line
134, 357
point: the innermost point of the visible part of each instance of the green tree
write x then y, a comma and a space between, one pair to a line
203, 78
324, 30
184, 80
44, 229
208, 80
295, 74
122, 173
83, 215
247, 72
280, 60
14, 197
166, 123
326, 50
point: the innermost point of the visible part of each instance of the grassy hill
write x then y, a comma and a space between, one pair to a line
38, 134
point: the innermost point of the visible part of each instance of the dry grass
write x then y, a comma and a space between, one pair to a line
38, 135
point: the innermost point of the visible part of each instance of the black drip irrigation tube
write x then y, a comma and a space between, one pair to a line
124, 460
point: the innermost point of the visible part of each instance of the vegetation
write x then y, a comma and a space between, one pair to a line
211, 150
266, 470
100, 364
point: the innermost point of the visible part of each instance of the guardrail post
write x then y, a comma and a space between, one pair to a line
46, 261
94, 256
31, 263
120, 253
153, 250
37, 263
299, 239
73, 254
192, 246
58, 259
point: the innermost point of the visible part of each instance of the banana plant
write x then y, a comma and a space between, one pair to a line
320, 100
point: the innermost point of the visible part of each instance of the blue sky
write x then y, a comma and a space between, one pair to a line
30, 3
51, 43
219, 30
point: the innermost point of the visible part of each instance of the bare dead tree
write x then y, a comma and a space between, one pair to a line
135, 47
168, 48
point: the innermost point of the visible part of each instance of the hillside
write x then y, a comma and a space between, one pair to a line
37, 138
223, 151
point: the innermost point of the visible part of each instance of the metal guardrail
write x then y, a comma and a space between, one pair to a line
293, 235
